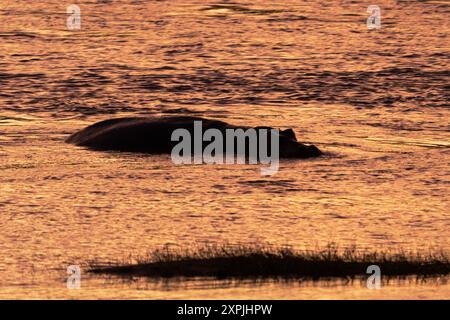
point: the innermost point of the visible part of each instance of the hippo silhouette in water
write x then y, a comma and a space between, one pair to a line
154, 135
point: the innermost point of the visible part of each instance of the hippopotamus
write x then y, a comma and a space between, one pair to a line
155, 135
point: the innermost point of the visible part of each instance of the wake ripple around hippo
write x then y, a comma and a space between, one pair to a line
154, 135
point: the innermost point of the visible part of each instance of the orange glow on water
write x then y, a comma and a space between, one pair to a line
375, 101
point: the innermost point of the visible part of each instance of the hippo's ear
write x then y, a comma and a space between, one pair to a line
289, 133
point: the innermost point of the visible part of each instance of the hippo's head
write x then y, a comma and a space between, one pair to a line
291, 148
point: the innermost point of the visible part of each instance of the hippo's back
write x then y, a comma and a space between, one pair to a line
138, 134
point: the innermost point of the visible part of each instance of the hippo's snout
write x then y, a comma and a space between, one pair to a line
305, 151
314, 151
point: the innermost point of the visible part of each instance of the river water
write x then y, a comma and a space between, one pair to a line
376, 101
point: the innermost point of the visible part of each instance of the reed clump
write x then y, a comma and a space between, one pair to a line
265, 261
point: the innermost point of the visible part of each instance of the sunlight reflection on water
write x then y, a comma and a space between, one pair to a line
376, 102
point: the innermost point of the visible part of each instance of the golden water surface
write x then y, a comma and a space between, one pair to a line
376, 101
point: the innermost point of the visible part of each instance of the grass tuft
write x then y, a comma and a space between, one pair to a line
264, 261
